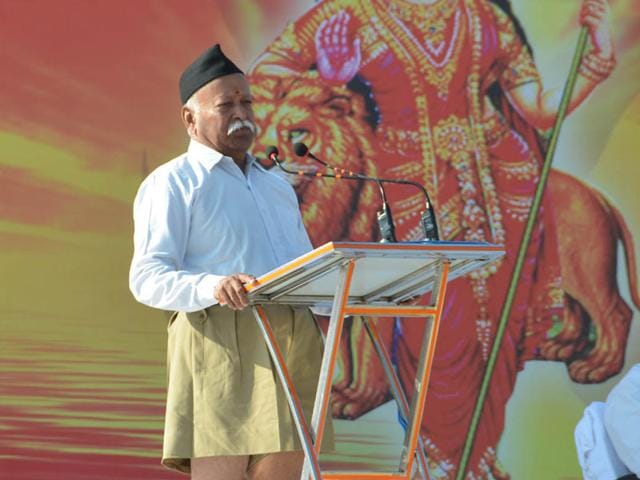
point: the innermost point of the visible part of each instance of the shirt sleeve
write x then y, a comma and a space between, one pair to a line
157, 277
515, 65
303, 235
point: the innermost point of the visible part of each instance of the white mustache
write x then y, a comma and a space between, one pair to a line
238, 124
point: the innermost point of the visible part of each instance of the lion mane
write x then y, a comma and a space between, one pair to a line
331, 121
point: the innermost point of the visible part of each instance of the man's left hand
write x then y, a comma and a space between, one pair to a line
231, 292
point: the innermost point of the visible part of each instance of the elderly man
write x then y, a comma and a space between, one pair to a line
205, 223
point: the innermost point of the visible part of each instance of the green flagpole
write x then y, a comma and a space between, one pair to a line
524, 244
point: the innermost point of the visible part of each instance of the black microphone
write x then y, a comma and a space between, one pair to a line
301, 150
384, 216
428, 219
385, 220
272, 154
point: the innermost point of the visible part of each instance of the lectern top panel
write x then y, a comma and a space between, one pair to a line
383, 273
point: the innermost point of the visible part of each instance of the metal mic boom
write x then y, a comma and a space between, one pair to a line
272, 154
428, 220
385, 220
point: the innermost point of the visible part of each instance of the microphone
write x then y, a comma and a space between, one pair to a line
272, 154
384, 216
301, 150
385, 220
428, 219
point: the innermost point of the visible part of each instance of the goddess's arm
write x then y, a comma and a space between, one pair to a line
294, 51
537, 105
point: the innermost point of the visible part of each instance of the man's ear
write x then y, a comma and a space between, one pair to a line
189, 120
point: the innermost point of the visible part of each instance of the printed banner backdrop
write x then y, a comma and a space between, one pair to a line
89, 105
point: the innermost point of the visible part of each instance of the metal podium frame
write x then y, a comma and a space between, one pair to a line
369, 279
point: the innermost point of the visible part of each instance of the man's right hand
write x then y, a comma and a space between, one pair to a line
231, 292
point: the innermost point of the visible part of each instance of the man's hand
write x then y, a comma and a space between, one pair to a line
231, 292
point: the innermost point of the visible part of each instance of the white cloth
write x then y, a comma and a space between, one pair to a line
596, 454
199, 218
622, 419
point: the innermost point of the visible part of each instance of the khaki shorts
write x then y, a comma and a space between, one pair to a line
223, 397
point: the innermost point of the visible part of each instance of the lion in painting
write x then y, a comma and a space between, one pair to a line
334, 123
331, 122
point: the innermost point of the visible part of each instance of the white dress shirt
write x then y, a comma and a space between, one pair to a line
199, 218
596, 454
622, 419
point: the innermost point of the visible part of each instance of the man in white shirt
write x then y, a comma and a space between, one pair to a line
608, 435
207, 223
622, 419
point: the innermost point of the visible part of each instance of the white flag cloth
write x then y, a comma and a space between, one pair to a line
622, 419
596, 453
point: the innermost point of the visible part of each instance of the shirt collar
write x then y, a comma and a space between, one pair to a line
209, 157
205, 155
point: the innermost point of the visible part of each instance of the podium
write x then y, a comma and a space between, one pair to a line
369, 279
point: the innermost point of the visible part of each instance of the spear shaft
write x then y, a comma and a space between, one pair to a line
524, 245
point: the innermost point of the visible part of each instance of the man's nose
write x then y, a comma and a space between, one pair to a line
242, 112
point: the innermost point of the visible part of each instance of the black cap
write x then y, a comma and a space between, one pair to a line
210, 65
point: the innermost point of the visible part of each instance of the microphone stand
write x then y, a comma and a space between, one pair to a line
385, 219
428, 218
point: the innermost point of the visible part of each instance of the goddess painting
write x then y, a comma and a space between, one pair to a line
445, 93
